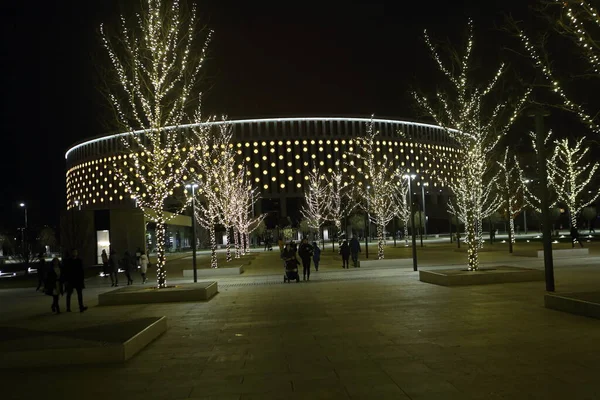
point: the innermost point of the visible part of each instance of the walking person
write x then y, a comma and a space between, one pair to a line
53, 285
575, 237
73, 277
144, 266
113, 268
354, 250
104, 263
41, 272
305, 252
128, 265
316, 255
345, 252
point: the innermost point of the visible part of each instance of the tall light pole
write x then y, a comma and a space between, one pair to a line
423, 184
193, 186
24, 206
526, 181
538, 115
367, 226
412, 219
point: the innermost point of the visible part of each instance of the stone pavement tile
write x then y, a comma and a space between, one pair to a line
402, 366
414, 384
378, 391
214, 397
280, 365
318, 394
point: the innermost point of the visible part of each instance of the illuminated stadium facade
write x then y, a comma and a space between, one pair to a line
278, 153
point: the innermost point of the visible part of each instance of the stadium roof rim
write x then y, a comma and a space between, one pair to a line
242, 121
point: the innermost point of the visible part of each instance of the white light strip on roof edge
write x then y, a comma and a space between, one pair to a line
243, 121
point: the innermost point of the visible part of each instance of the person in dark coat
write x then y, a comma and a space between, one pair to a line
113, 268
105, 269
575, 236
305, 252
73, 277
354, 250
52, 284
316, 255
128, 263
41, 271
345, 252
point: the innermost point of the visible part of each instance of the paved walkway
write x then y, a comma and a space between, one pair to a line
354, 334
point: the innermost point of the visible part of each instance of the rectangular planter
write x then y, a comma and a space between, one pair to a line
484, 276
207, 273
201, 291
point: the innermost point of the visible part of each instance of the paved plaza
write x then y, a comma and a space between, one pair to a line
375, 333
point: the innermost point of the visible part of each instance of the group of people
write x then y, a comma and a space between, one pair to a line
350, 249
58, 278
128, 263
308, 252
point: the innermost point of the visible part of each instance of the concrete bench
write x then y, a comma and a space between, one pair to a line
566, 253
212, 272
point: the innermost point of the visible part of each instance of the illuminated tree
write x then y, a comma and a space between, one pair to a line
475, 120
246, 221
403, 209
157, 84
571, 176
510, 187
339, 201
381, 178
315, 209
577, 21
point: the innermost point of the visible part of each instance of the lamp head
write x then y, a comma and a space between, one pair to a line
21, 204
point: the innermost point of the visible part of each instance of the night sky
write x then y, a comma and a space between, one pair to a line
290, 59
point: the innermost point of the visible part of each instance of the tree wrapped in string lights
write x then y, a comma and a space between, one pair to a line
474, 118
510, 186
157, 78
315, 196
579, 22
339, 201
571, 176
403, 209
380, 182
246, 221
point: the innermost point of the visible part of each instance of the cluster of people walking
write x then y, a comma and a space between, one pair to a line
60, 278
308, 252
128, 263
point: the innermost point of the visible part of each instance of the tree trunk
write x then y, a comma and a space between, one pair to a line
380, 227
473, 250
236, 240
161, 257
406, 232
340, 232
213, 247
228, 252
246, 238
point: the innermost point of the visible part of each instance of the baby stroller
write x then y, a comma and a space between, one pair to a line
291, 271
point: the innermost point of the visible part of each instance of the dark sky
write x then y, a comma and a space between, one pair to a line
291, 59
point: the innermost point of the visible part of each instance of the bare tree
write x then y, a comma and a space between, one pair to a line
157, 84
510, 186
380, 174
476, 120
315, 209
339, 201
572, 176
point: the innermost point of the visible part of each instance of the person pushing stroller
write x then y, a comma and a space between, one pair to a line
290, 263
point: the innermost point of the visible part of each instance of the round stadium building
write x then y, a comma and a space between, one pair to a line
278, 152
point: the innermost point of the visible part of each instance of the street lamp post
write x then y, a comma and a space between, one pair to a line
423, 184
412, 217
367, 226
24, 206
193, 186
539, 115
525, 210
